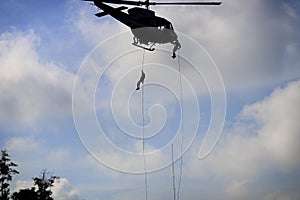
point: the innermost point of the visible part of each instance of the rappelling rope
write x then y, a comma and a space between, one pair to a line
182, 129
173, 173
143, 114
181, 144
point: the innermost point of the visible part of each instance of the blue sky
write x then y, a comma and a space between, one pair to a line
48, 47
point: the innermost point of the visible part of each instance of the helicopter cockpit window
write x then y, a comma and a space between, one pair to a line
163, 23
166, 26
169, 26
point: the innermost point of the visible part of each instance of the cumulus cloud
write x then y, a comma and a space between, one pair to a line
32, 90
279, 132
21, 184
264, 140
62, 190
247, 39
94, 29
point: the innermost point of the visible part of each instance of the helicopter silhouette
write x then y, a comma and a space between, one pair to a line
147, 28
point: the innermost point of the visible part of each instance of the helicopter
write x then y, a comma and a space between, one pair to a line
147, 28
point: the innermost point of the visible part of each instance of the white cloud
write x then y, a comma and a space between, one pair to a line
32, 90
62, 190
247, 39
22, 145
20, 185
237, 190
94, 29
264, 140
279, 131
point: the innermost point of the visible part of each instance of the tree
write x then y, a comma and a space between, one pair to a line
6, 172
43, 185
40, 191
25, 194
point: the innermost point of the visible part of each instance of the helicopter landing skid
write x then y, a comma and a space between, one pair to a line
143, 47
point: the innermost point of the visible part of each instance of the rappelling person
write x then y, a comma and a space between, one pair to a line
177, 46
141, 80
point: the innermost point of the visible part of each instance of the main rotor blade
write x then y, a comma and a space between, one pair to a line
132, 3
147, 3
185, 3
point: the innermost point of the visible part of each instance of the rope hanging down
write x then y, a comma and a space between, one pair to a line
143, 114
141, 81
181, 144
182, 129
173, 173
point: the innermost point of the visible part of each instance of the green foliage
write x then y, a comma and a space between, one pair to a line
25, 194
41, 191
44, 185
6, 173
